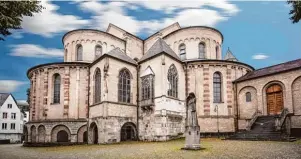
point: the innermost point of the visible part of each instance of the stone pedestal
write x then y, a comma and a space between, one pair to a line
192, 132
192, 138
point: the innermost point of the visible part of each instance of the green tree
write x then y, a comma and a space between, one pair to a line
296, 11
12, 12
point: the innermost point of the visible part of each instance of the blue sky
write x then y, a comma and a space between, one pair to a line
258, 33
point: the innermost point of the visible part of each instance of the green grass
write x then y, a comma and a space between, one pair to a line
213, 148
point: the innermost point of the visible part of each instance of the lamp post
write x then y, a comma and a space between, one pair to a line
217, 121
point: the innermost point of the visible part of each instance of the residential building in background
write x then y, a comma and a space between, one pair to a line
11, 119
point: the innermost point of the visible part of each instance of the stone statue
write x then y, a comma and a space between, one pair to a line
192, 134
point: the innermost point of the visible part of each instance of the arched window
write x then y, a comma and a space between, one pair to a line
98, 51
217, 87
202, 51
248, 97
66, 53
172, 77
97, 86
56, 88
147, 87
124, 86
79, 53
182, 51
217, 52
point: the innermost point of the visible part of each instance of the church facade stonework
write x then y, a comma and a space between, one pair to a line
113, 86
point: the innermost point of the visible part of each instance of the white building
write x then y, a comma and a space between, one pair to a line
24, 106
11, 119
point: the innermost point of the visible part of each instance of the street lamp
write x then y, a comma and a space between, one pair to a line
217, 122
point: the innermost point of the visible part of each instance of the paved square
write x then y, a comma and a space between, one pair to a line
214, 149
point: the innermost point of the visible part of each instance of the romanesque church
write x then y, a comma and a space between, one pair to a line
114, 86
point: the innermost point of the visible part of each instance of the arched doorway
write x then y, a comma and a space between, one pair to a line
85, 137
128, 132
25, 132
62, 136
33, 132
274, 95
94, 133
41, 133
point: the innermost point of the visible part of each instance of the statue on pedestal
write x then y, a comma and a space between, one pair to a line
192, 134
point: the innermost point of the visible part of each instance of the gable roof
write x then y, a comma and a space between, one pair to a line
112, 25
162, 30
229, 56
3, 97
283, 67
117, 54
157, 48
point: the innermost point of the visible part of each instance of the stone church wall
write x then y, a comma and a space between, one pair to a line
89, 39
200, 82
191, 37
290, 83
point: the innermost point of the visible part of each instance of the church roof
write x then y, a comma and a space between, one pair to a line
229, 56
117, 53
283, 67
159, 47
3, 97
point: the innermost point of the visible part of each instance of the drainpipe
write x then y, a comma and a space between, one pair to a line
236, 107
137, 100
88, 105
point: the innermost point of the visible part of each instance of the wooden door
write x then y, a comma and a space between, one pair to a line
274, 99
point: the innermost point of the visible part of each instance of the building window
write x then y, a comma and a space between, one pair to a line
97, 86
25, 115
202, 51
79, 53
248, 97
56, 88
9, 106
4, 126
12, 126
66, 52
124, 86
147, 87
217, 52
217, 87
13, 115
98, 51
172, 77
182, 51
4, 115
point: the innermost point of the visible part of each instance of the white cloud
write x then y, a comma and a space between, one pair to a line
187, 14
9, 86
31, 50
49, 21
260, 56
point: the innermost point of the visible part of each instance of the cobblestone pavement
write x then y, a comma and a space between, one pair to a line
213, 149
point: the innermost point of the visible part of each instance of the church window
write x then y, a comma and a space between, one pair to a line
147, 87
98, 51
172, 77
248, 97
97, 86
217, 87
66, 53
56, 88
202, 50
216, 52
79, 52
124, 86
182, 51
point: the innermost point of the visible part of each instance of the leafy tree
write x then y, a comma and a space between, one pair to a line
12, 12
296, 11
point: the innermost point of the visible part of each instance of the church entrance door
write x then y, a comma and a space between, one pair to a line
274, 99
128, 132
